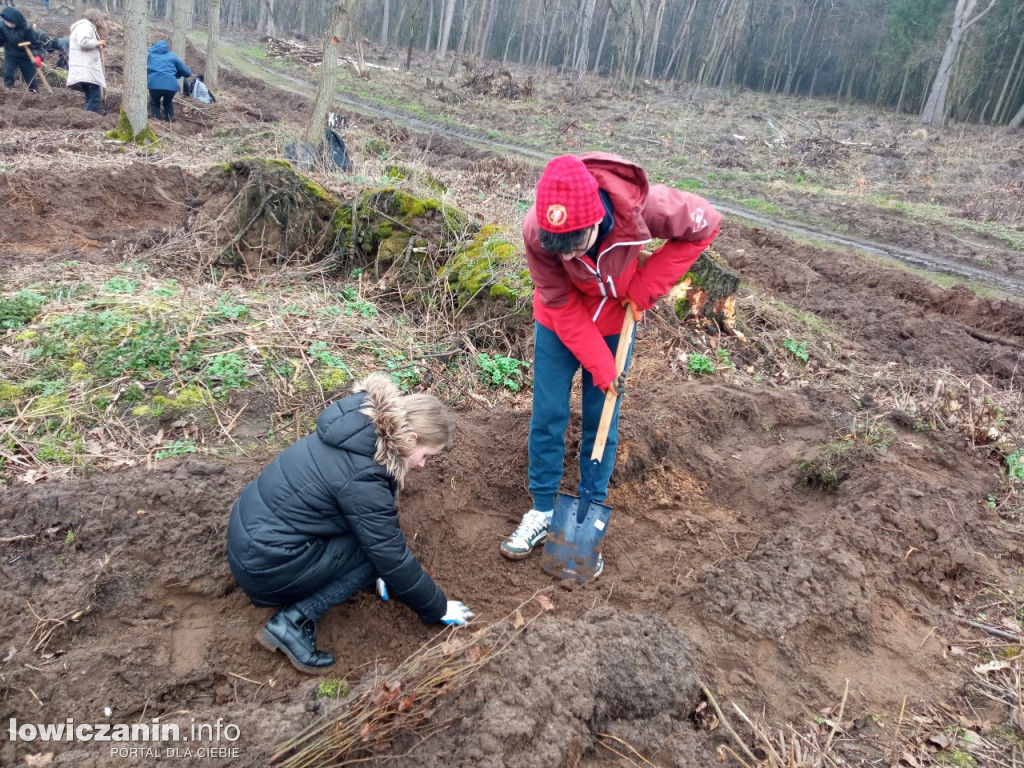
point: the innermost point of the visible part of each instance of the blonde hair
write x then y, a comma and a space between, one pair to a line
95, 15
428, 417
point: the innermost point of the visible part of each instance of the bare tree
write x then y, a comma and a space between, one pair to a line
581, 45
135, 97
212, 41
963, 19
334, 43
265, 23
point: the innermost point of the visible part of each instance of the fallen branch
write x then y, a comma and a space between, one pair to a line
1013, 636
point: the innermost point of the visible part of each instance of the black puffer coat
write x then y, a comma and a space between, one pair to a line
326, 505
21, 33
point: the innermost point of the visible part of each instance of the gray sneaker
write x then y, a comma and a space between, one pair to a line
599, 567
532, 530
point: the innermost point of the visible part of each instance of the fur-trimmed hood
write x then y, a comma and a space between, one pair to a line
386, 436
395, 440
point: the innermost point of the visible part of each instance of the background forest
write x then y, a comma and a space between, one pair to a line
944, 59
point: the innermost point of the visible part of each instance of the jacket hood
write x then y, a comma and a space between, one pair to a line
625, 182
159, 46
14, 16
82, 23
373, 423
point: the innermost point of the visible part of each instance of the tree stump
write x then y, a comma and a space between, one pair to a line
261, 215
707, 294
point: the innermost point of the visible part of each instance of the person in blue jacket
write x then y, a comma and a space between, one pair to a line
320, 523
163, 68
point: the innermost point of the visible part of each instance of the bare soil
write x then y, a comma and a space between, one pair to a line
730, 565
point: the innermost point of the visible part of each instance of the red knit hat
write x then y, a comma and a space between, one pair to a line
567, 196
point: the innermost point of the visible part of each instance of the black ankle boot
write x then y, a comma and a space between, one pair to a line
295, 635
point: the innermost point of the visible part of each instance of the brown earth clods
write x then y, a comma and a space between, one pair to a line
728, 565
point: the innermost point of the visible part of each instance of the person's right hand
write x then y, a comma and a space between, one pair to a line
102, 43
630, 305
457, 614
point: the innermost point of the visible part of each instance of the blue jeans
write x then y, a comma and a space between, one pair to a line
554, 368
92, 93
337, 591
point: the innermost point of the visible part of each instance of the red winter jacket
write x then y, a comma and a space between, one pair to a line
580, 300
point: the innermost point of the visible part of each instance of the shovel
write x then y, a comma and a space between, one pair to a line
578, 524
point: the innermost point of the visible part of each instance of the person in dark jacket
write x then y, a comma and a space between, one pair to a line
163, 68
320, 523
15, 30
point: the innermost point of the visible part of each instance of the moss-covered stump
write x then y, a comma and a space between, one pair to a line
262, 215
388, 226
707, 294
489, 265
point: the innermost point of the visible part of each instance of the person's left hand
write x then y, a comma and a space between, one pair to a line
38, 61
457, 614
618, 385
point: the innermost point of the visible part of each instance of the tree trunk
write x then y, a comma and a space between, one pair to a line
581, 59
446, 28
334, 43
1018, 120
685, 36
414, 29
652, 50
385, 18
935, 107
135, 96
265, 24
182, 11
212, 42
997, 112
604, 36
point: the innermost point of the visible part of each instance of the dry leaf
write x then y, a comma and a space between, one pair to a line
518, 621
43, 758
941, 740
545, 602
406, 703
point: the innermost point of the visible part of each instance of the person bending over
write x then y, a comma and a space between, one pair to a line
320, 521
163, 68
584, 237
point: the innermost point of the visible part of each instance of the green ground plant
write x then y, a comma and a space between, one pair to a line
501, 371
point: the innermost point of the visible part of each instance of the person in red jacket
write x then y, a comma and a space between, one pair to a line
584, 236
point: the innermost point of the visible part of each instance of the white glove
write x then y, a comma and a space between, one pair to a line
458, 614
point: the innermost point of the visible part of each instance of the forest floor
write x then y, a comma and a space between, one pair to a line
815, 553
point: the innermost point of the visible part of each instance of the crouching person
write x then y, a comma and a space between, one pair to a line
319, 523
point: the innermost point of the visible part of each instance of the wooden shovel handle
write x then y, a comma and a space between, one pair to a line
621, 353
39, 70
